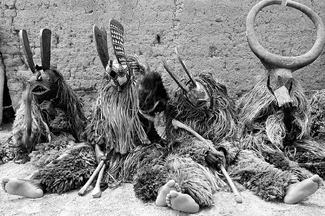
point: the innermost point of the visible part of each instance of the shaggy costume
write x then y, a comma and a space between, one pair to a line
317, 119
268, 128
117, 126
57, 121
184, 158
52, 116
54, 136
266, 180
273, 118
276, 148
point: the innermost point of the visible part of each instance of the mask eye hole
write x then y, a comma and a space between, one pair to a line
113, 74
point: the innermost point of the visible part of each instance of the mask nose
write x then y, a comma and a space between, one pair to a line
282, 96
280, 81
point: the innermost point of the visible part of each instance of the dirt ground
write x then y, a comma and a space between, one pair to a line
122, 201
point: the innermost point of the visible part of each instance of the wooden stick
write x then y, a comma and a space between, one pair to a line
178, 124
28, 119
238, 197
82, 191
97, 193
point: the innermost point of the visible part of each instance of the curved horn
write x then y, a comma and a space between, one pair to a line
288, 62
117, 36
184, 67
180, 84
46, 48
100, 37
26, 49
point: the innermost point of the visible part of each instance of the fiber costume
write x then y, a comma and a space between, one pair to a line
274, 119
117, 128
317, 119
203, 104
48, 122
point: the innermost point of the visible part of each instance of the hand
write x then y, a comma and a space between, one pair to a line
215, 159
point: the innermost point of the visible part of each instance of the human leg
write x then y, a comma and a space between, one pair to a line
69, 172
309, 154
197, 184
265, 180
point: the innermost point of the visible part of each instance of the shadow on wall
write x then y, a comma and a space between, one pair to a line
7, 113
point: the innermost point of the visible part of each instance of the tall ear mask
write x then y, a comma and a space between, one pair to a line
117, 36
26, 49
45, 40
100, 36
121, 73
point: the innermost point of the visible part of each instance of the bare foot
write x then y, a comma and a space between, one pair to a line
299, 191
22, 187
164, 190
182, 202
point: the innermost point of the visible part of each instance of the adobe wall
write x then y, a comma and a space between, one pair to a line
209, 34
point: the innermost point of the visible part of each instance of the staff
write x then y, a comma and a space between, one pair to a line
178, 124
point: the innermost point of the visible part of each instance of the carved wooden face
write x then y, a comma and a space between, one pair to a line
198, 95
280, 83
118, 73
44, 85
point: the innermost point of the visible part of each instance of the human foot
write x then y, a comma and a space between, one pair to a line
182, 202
22, 187
299, 191
164, 190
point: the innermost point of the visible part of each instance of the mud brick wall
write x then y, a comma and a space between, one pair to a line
209, 34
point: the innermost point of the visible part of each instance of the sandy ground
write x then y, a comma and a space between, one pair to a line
122, 201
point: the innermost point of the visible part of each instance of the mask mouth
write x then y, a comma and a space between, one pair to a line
40, 90
282, 96
202, 102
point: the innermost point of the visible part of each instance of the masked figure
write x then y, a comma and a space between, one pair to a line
121, 127
48, 124
274, 117
188, 164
